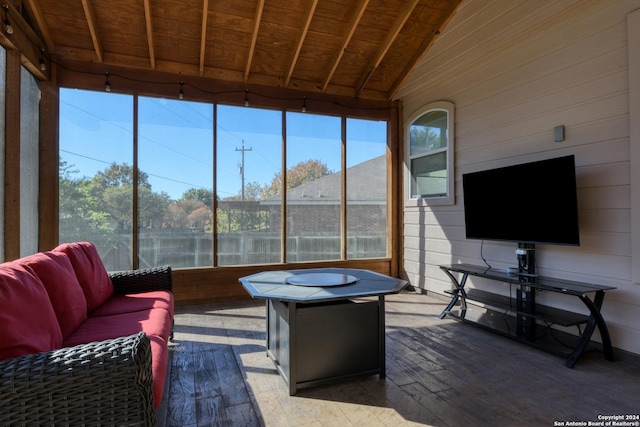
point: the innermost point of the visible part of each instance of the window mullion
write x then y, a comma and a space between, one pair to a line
135, 261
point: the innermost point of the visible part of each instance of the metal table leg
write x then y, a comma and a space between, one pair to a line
595, 319
458, 294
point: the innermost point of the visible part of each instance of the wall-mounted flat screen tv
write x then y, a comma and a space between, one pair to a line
530, 203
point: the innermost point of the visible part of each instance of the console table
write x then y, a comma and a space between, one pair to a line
519, 317
317, 331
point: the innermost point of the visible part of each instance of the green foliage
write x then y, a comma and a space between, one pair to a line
297, 175
201, 194
103, 205
81, 214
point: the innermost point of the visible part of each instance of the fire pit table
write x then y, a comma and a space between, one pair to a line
319, 329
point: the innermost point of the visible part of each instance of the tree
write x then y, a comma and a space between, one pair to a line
200, 218
151, 207
252, 192
424, 138
202, 194
81, 214
187, 213
118, 175
297, 175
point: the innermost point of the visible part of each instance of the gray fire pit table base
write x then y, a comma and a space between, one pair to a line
320, 334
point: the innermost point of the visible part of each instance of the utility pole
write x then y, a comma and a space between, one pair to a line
241, 166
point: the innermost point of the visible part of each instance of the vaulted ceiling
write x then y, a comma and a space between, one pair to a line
356, 48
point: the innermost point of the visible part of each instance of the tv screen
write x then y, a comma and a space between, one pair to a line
531, 203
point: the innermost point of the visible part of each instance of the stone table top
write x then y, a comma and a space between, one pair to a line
357, 283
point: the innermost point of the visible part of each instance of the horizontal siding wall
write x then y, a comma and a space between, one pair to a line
515, 70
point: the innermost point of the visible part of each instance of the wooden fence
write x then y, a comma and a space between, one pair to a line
187, 248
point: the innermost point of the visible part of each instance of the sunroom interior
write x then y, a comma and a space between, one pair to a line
271, 135
283, 70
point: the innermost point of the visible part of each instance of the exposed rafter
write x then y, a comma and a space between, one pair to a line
254, 38
24, 40
203, 34
386, 44
351, 28
311, 8
354, 48
42, 25
91, 22
147, 18
424, 47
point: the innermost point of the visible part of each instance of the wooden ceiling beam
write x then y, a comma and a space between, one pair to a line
147, 19
72, 58
91, 22
351, 29
254, 39
26, 42
402, 18
424, 47
302, 33
41, 22
203, 34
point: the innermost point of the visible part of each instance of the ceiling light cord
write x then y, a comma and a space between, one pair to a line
220, 92
181, 93
8, 29
304, 104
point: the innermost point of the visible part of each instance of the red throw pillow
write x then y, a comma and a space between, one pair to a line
56, 273
28, 323
90, 271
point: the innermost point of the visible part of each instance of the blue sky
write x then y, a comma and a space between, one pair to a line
176, 140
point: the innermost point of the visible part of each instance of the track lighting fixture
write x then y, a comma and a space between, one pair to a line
246, 97
107, 86
43, 65
181, 93
304, 104
8, 29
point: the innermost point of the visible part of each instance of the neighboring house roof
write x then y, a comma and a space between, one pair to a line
366, 184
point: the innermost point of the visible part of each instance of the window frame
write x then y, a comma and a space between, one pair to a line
344, 117
449, 197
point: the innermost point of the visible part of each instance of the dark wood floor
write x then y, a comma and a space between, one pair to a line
439, 373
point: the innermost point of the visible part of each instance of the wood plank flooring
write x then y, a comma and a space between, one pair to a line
440, 372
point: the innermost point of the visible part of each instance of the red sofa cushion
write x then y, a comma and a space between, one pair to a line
119, 304
28, 323
153, 322
90, 271
159, 363
59, 279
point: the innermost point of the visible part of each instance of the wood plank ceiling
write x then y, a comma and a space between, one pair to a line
355, 48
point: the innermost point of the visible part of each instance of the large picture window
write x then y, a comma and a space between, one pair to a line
430, 153
249, 162
201, 184
366, 189
96, 173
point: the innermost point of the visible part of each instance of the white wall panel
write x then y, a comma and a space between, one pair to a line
515, 70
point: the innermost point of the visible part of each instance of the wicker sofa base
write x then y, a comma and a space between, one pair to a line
108, 367
103, 383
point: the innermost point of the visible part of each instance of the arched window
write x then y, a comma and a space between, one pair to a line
430, 151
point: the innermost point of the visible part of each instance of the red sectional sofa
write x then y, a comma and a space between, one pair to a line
79, 345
